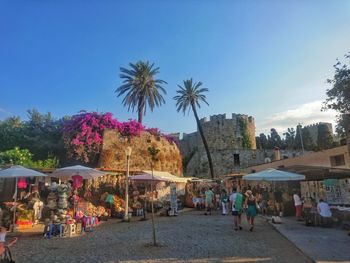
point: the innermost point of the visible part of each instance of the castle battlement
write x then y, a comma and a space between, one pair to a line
315, 125
223, 117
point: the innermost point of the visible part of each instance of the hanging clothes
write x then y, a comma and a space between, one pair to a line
22, 183
77, 181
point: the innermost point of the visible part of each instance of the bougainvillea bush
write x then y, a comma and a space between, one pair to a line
83, 133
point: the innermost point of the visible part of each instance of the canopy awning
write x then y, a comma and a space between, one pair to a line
166, 176
147, 177
274, 175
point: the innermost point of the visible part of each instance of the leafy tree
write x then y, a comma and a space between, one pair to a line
11, 133
339, 95
274, 139
140, 87
190, 95
24, 157
289, 140
258, 142
304, 140
263, 141
45, 129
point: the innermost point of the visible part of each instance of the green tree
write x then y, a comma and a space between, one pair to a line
11, 133
263, 141
45, 129
338, 97
289, 138
189, 96
274, 139
140, 87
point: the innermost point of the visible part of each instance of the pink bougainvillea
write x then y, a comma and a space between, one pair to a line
131, 128
83, 133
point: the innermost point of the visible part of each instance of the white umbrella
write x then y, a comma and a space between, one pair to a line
83, 171
19, 171
273, 175
15, 172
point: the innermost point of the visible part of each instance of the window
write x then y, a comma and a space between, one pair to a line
337, 160
236, 161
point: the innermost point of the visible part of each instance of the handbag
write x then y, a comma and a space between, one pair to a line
6, 257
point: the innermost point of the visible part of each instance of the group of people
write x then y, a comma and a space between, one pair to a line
324, 213
237, 203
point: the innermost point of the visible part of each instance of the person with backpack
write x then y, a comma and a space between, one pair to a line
236, 201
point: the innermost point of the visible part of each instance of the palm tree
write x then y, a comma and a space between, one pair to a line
190, 95
141, 88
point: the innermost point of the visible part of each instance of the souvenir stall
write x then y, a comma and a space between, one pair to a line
196, 189
27, 209
336, 192
274, 189
165, 185
67, 210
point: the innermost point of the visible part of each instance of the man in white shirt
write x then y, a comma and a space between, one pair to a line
236, 202
325, 213
298, 205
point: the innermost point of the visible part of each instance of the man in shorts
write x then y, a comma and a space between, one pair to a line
236, 202
209, 198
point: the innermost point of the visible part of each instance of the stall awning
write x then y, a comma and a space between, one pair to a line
168, 176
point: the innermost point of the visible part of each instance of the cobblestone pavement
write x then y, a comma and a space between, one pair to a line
190, 237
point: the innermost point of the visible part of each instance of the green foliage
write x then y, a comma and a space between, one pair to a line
274, 139
140, 87
153, 153
41, 134
289, 141
15, 156
24, 157
339, 95
263, 141
246, 143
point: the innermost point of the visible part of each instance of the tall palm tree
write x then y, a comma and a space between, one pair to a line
190, 95
141, 88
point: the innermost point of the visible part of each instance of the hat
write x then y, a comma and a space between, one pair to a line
248, 192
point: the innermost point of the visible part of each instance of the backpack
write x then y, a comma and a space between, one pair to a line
238, 202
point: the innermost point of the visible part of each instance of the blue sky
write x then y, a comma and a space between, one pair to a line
268, 59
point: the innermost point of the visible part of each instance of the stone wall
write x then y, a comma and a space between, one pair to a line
113, 153
313, 130
229, 161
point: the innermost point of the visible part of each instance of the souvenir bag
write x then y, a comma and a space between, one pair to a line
6, 257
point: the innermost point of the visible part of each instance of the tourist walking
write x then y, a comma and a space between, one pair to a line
236, 201
224, 201
209, 199
251, 205
298, 205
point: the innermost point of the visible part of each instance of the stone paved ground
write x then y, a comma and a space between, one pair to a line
320, 244
190, 237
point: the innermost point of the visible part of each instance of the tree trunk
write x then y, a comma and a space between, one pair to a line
140, 109
204, 141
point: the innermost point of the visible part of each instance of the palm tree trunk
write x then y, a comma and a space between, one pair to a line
200, 128
140, 109
140, 115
